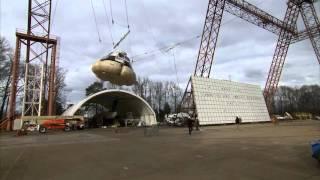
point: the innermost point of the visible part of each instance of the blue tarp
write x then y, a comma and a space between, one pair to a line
315, 147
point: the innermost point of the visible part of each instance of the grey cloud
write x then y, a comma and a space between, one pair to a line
254, 74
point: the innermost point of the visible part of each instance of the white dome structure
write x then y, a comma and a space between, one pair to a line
126, 102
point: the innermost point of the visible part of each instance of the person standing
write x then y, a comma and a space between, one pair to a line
197, 123
238, 121
190, 125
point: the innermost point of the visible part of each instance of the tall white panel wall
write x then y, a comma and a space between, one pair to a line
220, 101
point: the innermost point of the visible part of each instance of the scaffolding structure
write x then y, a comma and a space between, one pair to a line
37, 66
286, 30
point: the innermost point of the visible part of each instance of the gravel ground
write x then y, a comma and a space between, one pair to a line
252, 151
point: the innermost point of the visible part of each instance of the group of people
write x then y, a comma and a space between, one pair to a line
195, 121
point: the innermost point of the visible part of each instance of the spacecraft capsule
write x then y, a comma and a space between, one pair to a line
115, 68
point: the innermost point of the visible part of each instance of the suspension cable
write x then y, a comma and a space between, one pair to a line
54, 13
175, 66
112, 20
170, 47
95, 20
108, 22
164, 48
125, 3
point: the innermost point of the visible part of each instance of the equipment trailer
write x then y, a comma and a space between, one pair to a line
45, 123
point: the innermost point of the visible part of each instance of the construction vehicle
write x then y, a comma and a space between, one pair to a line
45, 123
61, 124
177, 119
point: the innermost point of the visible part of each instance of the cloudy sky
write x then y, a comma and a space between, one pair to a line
244, 51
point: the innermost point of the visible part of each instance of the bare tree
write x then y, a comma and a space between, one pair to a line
297, 99
60, 90
94, 87
161, 95
6, 56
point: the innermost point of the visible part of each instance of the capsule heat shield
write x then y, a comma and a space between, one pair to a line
114, 72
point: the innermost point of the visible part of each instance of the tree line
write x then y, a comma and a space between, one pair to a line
297, 99
163, 96
6, 58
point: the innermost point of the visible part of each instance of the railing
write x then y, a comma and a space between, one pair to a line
3, 123
39, 34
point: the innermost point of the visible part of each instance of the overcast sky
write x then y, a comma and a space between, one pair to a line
243, 54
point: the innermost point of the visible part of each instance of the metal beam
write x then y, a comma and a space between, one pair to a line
302, 35
208, 44
52, 83
187, 103
310, 20
209, 37
36, 38
14, 84
256, 16
280, 54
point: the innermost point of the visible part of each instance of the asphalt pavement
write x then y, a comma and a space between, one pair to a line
252, 151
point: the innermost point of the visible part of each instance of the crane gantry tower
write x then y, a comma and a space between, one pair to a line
286, 30
39, 59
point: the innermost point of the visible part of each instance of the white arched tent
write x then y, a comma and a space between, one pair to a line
126, 102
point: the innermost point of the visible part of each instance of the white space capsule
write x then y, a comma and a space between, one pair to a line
116, 68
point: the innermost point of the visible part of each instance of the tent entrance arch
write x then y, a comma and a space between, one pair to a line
115, 105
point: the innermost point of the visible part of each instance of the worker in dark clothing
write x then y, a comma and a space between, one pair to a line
238, 121
197, 123
190, 125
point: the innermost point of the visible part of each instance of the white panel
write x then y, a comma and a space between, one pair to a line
17, 124
220, 101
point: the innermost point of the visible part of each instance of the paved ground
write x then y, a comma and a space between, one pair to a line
254, 151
